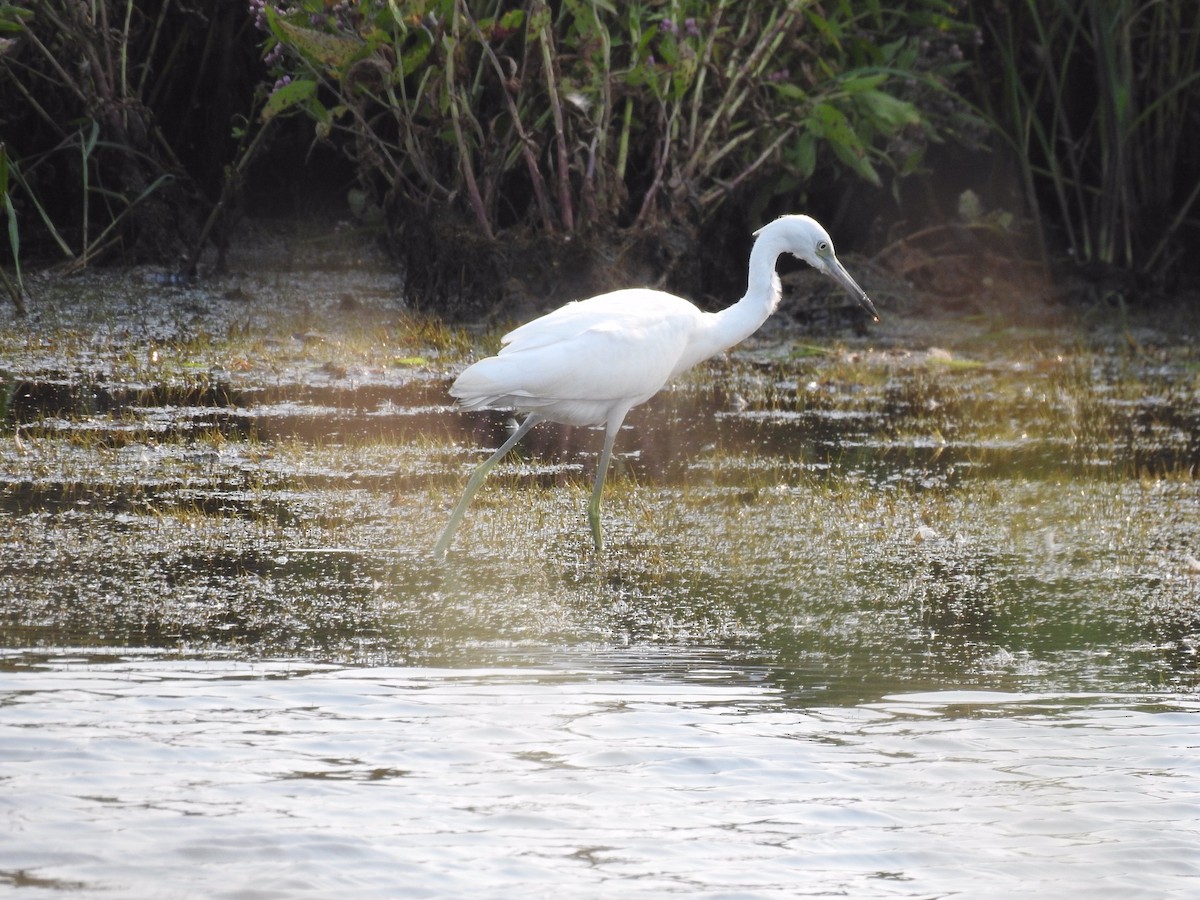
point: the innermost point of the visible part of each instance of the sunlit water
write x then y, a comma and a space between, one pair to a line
895, 628
597, 774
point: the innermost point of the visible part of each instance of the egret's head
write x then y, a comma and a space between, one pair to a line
804, 237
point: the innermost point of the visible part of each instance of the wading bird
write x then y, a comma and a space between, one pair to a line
591, 361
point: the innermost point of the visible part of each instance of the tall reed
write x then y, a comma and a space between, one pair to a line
1099, 102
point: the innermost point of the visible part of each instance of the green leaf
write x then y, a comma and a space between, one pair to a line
90, 144
831, 123
413, 55
861, 83
804, 154
889, 51
668, 51
890, 112
859, 164
912, 162
14, 232
13, 18
789, 91
289, 95
14, 236
806, 351
15, 174
828, 29
513, 19
538, 21
333, 51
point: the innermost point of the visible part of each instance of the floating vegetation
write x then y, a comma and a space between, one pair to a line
1022, 516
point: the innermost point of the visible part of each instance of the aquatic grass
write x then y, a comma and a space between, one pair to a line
1093, 99
805, 351
16, 292
130, 328
692, 563
808, 533
422, 331
952, 363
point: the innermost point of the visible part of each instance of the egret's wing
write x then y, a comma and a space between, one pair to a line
606, 362
632, 307
605, 355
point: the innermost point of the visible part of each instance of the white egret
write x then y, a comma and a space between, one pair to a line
591, 361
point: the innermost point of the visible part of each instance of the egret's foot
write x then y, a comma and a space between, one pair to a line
597, 534
439, 549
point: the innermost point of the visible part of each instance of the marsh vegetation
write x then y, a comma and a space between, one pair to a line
998, 504
875, 600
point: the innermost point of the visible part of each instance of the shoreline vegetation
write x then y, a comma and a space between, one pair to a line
521, 154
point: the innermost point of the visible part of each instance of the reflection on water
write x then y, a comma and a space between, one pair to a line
898, 625
993, 423
598, 773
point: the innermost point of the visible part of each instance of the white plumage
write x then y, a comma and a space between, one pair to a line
562, 365
591, 361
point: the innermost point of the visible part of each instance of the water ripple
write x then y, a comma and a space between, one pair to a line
596, 773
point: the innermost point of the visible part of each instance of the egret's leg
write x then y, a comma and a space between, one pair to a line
610, 437
477, 478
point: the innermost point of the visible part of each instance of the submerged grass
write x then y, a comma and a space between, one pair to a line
1017, 519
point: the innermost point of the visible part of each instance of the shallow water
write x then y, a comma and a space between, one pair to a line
872, 621
599, 773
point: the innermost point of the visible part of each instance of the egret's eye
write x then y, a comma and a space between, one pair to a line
822, 246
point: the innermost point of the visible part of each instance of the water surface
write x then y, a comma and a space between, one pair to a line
599, 773
877, 618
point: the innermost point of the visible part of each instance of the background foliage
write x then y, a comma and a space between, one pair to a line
590, 112
135, 130
1099, 104
116, 116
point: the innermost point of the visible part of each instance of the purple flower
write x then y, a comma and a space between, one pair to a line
668, 26
690, 28
779, 75
282, 83
258, 9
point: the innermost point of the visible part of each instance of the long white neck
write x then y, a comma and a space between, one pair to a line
721, 330
738, 322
